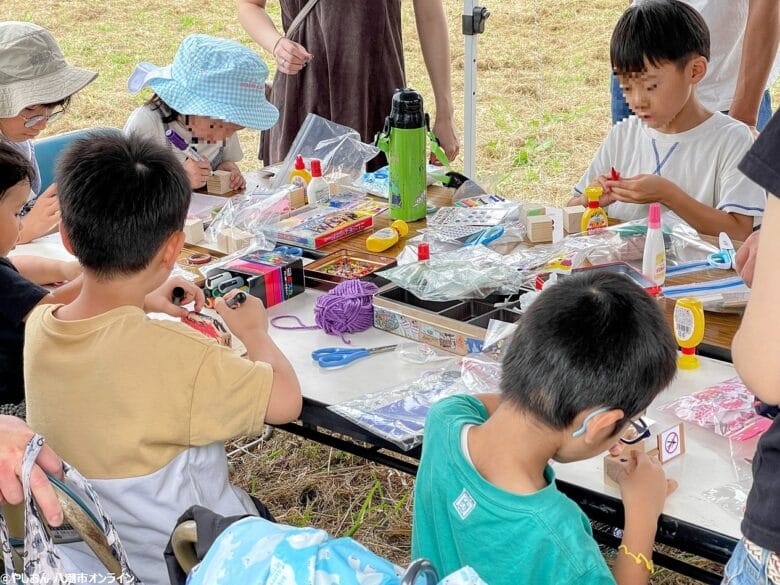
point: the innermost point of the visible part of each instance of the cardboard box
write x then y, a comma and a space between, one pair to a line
455, 326
314, 227
270, 276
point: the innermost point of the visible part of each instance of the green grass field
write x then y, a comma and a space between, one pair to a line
543, 108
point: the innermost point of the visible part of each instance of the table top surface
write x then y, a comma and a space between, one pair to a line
707, 463
710, 461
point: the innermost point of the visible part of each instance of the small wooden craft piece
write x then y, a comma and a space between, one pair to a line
667, 445
233, 239
297, 198
540, 228
531, 210
208, 326
218, 183
572, 218
193, 231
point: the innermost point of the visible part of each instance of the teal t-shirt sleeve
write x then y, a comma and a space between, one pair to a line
597, 576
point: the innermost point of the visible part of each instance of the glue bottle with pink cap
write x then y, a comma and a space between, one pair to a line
654, 258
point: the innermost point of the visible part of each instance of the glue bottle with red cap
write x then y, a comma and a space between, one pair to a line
318, 191
654, 258
299, 176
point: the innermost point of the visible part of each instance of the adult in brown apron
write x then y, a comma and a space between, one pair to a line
343, 61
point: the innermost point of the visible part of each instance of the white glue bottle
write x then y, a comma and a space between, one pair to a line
318, 190
654, 259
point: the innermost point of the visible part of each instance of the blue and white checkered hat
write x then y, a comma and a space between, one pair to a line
212, 77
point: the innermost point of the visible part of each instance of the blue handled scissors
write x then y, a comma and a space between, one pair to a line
725, 259
484, 237
289, 250
333, 357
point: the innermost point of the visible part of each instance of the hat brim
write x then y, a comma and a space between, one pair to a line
49, 89
261, 116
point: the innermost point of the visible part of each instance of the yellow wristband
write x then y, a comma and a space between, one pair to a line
639, 559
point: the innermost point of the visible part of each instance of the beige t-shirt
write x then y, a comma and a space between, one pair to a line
142, 408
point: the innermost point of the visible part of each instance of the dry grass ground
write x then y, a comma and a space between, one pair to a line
543, 108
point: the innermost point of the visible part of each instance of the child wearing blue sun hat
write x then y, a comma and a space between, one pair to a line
213, 88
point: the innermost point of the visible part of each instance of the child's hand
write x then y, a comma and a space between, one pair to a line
42, 218
237, 180
197, 171
644, 489
247, 319
161, 300
642, 189
746, 258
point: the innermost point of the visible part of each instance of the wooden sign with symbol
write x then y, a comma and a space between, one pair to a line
671, 443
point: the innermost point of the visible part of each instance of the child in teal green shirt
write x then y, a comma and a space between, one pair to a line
589, 356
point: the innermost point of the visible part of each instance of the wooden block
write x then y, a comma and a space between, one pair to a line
233, 239
540, 228
297, 198
572, 219
671, 443
193, 230
530, 210
218, 183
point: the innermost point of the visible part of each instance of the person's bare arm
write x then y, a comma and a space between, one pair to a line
759, 50
46, 270
290, 56
435, 45
757, 343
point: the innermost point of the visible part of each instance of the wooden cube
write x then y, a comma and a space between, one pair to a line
233, 239
193, 230
297, 198
540, 228
572, 219
218, 183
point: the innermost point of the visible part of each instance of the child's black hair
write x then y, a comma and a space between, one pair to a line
591, 340
14, 168
658, 31
121, 198
167, 113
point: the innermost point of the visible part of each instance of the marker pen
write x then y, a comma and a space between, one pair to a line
179, 143
177, 295
236, 301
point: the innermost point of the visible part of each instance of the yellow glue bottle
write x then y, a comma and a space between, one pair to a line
688, 330
299, 176
594, 218
387, 237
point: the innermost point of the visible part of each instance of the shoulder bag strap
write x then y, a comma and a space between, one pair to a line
296, 23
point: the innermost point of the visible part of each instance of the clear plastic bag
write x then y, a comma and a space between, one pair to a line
339, 148
254, 214
467, 273
726, 408
621, 243
398, 414
732, 497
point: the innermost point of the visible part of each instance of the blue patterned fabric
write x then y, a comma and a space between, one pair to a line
212, 77
254, 551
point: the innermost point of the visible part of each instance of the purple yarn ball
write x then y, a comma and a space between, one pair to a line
347, 308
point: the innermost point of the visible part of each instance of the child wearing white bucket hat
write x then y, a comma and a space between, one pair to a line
213, 88
36, 84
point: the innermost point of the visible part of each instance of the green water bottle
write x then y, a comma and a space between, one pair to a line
404, 142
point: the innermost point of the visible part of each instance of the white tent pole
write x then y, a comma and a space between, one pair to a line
473, 24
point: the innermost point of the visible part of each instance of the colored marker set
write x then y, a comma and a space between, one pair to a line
273, 277
479, 201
